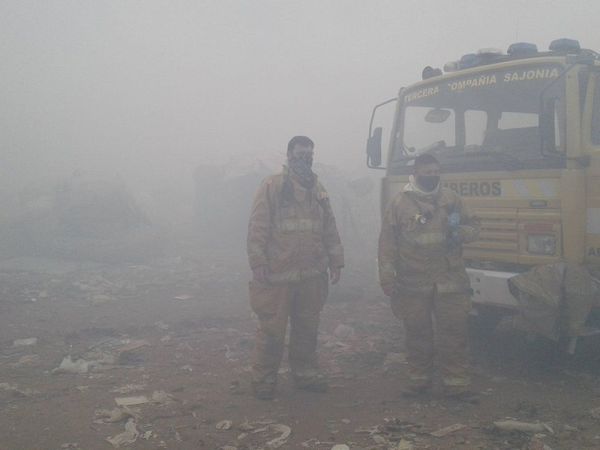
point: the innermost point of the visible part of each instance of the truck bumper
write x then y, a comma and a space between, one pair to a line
490, 288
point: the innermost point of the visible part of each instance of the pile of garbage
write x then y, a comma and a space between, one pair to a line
91, 220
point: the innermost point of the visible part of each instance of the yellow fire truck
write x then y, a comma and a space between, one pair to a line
518, 137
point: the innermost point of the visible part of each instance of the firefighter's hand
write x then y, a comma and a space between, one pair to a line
260, 274
334, 274
389, 290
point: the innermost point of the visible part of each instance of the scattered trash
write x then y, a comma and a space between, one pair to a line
115, 415
379, 439
404, 445
525, 427
162, 397
224, 425
81, 366
129, 436
229, 354
183, 297
161, 325
70, 445
147, 435
26, 360
16, 391
132, 401
595, 413
537, 444
340, 447
129, 388
343, 331
187, 368
282, 438
25, 342
448, 430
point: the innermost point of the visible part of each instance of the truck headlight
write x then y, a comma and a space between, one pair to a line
541, 244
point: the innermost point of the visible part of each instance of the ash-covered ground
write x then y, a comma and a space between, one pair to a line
156, 355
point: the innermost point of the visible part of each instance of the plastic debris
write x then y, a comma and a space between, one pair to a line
132, 401
129, 388
114, 415
448, 430
81, 366
25, 342
340, 447
525, 427
67, 365
224, 425
282, 438
162, 397
379, 439
129, 436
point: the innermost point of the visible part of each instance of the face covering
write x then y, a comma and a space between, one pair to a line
428, 182
301, 166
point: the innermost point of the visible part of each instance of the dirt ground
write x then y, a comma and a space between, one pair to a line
173, 339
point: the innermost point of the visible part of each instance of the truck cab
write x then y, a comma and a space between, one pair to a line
518, 138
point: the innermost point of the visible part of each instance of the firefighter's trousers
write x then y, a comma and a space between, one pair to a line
301, 303
436, 328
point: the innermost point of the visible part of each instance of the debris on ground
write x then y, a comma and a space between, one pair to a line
280, 440
343, 331
132, 401
448, 430
25, 342
404, 445
129, 388
15, 390
114, 415
525, 427
224, 425
129, 436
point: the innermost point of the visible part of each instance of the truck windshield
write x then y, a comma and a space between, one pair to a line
485, 121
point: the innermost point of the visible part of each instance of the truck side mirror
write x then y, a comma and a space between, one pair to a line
374, 148
548, 125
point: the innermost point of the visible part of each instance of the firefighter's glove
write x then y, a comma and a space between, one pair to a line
260, 274
455, 236
389, 290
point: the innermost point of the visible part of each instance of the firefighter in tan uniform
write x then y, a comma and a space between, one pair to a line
422, 270
293, 243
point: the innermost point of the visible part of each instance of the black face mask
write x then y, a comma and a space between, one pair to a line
306, 160
428, 182
302, 168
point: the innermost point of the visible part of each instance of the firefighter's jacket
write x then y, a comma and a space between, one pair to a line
418, 248
292, 230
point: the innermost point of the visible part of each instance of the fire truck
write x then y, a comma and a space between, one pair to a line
517, 134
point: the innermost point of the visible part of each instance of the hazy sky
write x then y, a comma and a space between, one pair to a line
157, 87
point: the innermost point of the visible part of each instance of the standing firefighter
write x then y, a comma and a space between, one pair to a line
422, 270
292, 242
